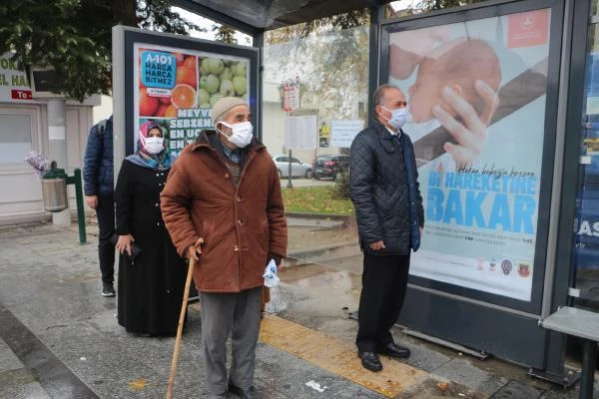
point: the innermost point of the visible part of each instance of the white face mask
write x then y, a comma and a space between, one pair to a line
241, 135
399, 117
154, 145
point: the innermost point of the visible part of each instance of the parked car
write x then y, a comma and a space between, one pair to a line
330, 166
298, 168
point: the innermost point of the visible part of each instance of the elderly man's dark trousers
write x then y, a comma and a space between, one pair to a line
384, 285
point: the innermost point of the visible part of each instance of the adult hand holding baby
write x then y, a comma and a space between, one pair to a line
472, 134
456, 83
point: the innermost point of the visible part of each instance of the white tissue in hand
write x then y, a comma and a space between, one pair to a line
270, 275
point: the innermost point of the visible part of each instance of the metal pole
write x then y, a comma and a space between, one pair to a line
119, 91
289, 182
57, 148
377, 14
259, 43
589, 355
80, 209
76, 180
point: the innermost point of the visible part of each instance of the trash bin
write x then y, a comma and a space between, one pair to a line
54, 190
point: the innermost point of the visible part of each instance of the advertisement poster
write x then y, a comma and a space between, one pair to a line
177, 89
324, 135
479, 162
14, 86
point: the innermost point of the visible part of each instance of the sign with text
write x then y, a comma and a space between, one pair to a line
291, 95
528, 29
14, 86
343, 133
479, 171
301, 132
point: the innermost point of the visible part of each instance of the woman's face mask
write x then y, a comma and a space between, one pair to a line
154, 145
241, 135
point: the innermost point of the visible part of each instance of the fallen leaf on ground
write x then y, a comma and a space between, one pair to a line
138, 385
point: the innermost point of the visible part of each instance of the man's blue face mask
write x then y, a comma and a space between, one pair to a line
399, 117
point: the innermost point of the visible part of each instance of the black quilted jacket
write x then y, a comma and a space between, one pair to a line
379, 189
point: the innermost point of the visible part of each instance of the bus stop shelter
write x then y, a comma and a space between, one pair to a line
483, 320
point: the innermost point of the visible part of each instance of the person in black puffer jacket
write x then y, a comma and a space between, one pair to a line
98, 177
385, 191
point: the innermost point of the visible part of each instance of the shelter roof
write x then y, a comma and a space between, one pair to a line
253, 16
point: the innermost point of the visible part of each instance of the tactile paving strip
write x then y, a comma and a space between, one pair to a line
338, 357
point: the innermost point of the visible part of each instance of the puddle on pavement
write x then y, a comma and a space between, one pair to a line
315, 289
293, 273
315, 276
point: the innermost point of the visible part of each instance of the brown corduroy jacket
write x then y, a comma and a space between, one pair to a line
242, 226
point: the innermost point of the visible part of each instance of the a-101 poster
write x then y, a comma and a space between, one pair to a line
477, 94
177, 89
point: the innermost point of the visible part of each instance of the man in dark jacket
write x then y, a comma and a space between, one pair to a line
98, 176
385, 192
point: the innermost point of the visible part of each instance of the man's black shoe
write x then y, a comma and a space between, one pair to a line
249, 393
371, 361
395, 351
108, 290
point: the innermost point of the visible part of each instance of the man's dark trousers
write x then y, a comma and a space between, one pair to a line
384, 285
105, 214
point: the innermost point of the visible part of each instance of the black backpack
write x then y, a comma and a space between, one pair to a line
101, 130
102, 126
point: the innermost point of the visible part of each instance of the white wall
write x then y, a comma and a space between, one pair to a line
102, 111
273, 127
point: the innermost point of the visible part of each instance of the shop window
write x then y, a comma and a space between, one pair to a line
15, 138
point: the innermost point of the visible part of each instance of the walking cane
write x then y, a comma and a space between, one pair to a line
171, 378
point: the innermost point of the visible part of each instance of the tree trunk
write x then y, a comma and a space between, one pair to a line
125, 12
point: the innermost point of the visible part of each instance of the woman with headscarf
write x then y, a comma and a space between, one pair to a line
151, 284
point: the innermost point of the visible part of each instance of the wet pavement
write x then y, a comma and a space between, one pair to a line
59, 338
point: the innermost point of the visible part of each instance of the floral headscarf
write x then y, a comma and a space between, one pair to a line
160, 161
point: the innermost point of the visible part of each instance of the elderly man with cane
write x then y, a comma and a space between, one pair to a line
223, 208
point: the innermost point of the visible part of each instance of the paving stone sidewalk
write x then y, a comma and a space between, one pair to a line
51, 285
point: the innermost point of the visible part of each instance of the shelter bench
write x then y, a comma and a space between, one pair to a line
584, 325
